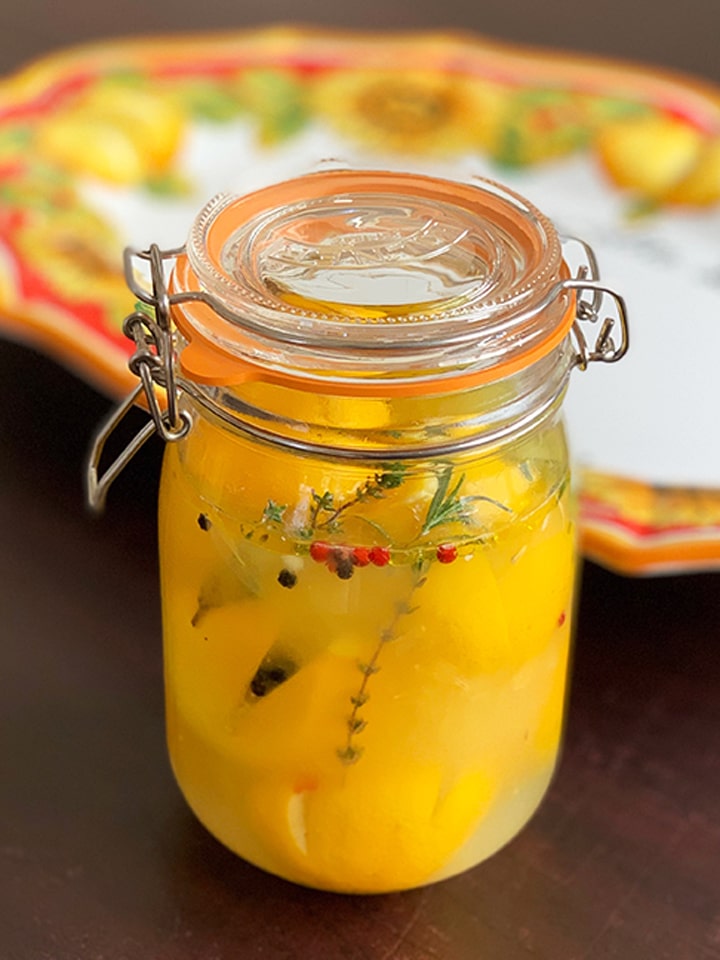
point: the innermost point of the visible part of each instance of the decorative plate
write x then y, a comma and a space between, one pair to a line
122, 143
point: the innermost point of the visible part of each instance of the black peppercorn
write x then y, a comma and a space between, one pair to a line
272, 672
286, 578
344, 567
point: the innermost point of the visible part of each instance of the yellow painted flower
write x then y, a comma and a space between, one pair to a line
410, 111
653, 506
275, 99
628, 498
78, 254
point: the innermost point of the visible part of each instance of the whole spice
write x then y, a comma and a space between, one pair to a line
446, 552
361, 556
286, 578
341, 563
320, 551
269, 675
380, 556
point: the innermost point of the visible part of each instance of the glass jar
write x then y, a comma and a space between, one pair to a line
367, 532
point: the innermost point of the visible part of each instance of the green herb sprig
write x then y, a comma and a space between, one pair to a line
273, 512
326, 512
351, 751
447, 506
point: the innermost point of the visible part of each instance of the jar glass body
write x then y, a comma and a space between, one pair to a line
366, 656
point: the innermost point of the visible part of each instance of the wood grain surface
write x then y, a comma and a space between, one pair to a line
100, 859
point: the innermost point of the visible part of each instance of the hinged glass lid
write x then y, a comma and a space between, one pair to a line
377, 274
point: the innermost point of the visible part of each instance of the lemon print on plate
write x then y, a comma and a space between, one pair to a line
122, 134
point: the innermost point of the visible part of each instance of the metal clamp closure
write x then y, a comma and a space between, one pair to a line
153, 362
592, 301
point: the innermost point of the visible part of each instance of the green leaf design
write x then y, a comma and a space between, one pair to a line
544, 124
277, 100
606, 109
123, 77
212, 102
14, 139
169, 185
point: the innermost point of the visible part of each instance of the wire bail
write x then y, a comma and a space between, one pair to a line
153, 362
587, 281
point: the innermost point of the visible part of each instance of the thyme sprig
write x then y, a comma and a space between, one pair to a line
326, 512
351, 752
446, 506
273, 512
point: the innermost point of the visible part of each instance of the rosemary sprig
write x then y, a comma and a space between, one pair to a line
447, 507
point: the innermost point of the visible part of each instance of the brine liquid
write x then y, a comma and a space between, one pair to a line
353, 725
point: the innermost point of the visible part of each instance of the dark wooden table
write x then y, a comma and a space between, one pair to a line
100, 859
